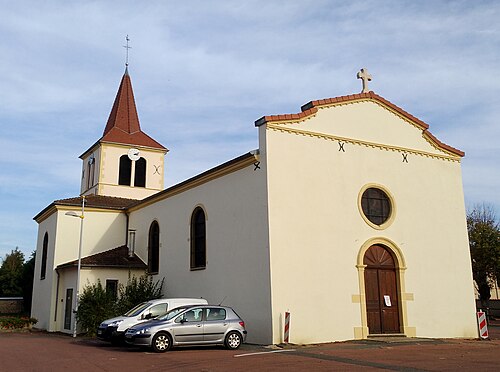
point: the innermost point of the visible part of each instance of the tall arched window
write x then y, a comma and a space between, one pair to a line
198, 240
140, 173
45, 245
154, 248
124, 177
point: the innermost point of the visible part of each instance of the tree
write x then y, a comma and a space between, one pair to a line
484, 242
11, 274
27, 282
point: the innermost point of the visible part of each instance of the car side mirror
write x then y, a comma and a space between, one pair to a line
182, 321
148, 316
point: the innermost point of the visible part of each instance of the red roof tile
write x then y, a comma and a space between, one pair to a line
116, 257
123, 122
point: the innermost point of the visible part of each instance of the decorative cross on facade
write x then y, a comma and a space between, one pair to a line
365, 77
127, 47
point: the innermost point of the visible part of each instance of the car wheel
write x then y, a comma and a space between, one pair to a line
233, 340
161, 342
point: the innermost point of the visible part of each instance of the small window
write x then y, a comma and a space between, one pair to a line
198, 240
45, 245
154, 248
112, 288
140, 173
376, 205
215, 314
125, 175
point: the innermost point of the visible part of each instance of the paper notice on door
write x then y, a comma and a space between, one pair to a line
387, 300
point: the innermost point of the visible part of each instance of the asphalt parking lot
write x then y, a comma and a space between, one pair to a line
39, 351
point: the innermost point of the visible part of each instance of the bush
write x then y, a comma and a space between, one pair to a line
138, 290
96, 304
12, 322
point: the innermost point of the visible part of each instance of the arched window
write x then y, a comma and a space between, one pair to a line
140, 173
124, 176
198, 240
91, 171
154, 248
45, 245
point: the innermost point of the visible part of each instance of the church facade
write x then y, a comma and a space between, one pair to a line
350, 216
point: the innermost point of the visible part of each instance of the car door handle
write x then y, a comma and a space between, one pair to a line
198, 325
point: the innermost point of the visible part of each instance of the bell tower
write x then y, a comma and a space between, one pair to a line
125, 162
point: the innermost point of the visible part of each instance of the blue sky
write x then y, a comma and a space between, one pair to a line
204, 71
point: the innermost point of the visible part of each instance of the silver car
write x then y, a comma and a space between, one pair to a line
190, 325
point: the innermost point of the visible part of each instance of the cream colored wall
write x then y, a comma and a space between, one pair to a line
109, 164
44, 290
103, 230
317, 231
87, 277
237, 268
354, 120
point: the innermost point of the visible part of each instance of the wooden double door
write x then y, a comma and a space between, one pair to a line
381, 289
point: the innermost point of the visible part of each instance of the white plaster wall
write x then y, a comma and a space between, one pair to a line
317, 231
237, 269
44, 290
87, 277
102, 230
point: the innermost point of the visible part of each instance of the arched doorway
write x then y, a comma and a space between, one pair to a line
381, 289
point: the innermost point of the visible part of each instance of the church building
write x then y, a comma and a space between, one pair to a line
349, 216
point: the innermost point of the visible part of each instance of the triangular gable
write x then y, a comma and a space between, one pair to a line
366, 109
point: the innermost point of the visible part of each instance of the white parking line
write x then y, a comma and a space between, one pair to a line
263, 352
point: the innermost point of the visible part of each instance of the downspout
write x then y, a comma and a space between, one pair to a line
57, 294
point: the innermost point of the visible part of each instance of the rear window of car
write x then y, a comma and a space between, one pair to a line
215, 314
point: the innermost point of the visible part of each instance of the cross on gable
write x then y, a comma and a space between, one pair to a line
365, 76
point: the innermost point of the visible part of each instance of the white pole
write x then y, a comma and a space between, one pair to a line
82, 216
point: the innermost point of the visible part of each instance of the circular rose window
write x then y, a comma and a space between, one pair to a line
376, 205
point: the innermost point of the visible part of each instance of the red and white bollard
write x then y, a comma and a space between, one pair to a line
287, 328
483, 324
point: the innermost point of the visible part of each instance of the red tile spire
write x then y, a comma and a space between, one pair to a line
123, 122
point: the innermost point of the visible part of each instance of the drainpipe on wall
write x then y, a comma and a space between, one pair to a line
57, 293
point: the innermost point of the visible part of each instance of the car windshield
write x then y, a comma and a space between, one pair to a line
137, 309
171, 314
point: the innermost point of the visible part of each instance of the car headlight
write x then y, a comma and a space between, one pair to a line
142, 331
115, 323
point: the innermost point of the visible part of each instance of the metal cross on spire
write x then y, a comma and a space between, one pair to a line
127, 47
365, 77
